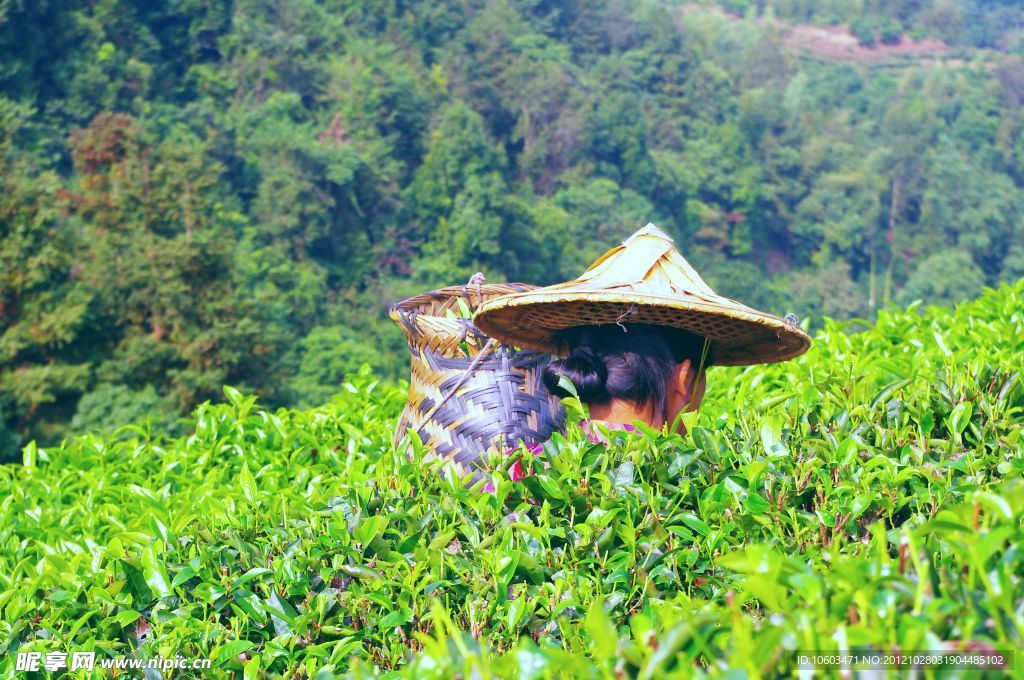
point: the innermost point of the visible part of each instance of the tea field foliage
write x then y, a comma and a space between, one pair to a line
868, 495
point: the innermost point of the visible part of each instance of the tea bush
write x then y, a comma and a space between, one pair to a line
867, 495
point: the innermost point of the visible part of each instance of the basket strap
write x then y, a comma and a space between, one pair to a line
469, 369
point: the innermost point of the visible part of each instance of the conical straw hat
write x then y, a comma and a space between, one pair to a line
644, 280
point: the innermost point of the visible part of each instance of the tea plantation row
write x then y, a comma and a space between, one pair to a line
868, 495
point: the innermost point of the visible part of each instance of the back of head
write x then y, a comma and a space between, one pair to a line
633, 362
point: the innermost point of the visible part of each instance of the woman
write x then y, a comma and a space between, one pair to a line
637, 330
644, 373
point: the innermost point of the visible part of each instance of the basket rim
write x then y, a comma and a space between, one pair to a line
412, 313
416, 302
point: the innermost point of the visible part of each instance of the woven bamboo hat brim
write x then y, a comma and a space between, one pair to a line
644, 280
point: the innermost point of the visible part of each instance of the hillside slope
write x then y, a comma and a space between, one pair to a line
198, 193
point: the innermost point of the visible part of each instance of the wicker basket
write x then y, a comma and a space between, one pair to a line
469, 394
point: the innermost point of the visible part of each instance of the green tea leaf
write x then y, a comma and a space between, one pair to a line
960, 417
248, 483
396, 618
156, 575
754, 503
602, 631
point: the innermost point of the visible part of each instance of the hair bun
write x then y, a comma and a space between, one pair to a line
584, 353
587, 372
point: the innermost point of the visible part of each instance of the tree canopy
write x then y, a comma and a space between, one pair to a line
200, 193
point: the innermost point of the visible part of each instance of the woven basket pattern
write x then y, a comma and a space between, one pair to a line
464, 404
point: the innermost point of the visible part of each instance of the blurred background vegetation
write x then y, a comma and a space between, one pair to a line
204, 192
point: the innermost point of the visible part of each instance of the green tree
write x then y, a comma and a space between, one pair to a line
890, 31
108, 407
458, 198
600, 214
968, 206
864, 29
328, 354
9, 449
829, 291
44, 307
944, 278
314, 188
157, 251
619, 146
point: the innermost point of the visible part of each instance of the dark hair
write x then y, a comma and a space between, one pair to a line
633, 362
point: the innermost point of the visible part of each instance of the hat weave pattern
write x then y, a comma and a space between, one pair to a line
644, 280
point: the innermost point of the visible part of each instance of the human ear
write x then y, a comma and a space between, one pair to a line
682, 382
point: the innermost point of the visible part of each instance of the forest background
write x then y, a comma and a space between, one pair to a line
198, 193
